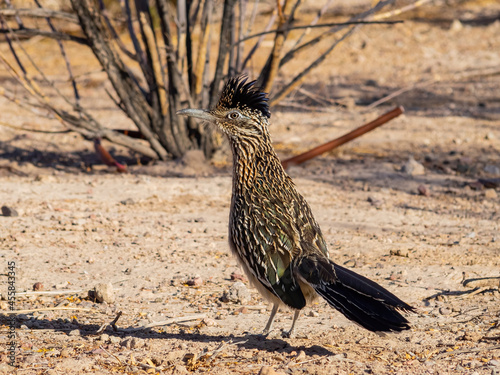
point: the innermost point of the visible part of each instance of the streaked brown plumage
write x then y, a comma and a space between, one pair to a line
272, 230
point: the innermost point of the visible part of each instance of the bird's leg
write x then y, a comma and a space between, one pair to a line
289, 334
271, 319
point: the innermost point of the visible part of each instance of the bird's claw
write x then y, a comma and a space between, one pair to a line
288, 334
266, 332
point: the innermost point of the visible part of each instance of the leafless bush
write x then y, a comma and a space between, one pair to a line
171, 46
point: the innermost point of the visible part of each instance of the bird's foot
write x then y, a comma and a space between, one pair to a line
288, 334
266, 333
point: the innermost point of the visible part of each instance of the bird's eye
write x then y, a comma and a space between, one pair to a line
233, 115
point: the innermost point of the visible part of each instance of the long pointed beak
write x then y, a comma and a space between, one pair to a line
202, 114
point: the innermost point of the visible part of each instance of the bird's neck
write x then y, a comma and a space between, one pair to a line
253, 158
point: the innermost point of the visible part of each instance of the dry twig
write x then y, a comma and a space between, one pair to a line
49, 293
166, 322
468, 350
29, 311
39, 13
344, 139
112, 324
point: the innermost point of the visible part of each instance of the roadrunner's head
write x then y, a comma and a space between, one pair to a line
242, 111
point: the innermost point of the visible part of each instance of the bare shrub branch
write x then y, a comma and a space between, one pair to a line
160, 56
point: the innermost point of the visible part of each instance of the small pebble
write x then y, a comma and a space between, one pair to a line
180, 369
104, 337
471, 336
456, 26
494, 363
278, 357
9, 211
195, 281
238, 293
490, 194
423, 190
444, 311
189, 358
267, 370
75, 332
65, 353
242, 310
476, 185
301, 356
114, 340
492, 169
313, 313
102, 293
237, 276
374, 202
413, 167
209, 322
363, 341
7, 369
350, 263
129, 343
127, 201
393, 276
37, 286
78, 222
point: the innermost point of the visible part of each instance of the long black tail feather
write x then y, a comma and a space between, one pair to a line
358, 298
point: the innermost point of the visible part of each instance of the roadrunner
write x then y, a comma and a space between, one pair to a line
272, 231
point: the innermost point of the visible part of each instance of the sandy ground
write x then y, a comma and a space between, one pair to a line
159, 233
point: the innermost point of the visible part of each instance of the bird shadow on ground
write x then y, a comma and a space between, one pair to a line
245, 340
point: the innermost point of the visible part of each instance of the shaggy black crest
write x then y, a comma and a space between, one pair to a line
237, 93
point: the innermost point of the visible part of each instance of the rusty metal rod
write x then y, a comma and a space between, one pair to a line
386, 117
